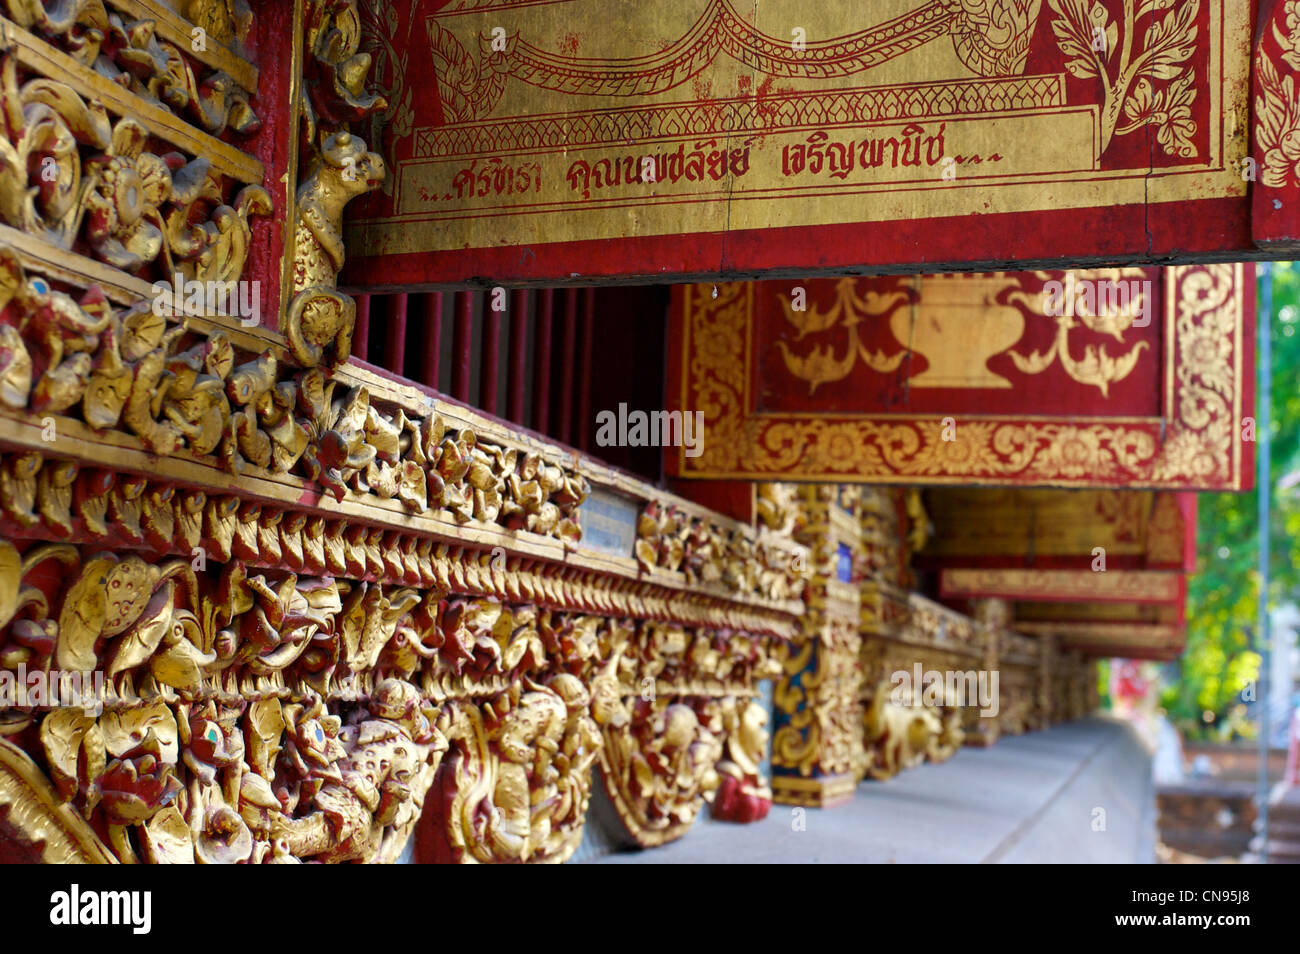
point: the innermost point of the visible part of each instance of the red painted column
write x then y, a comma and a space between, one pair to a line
395, 343
462, 347
430, 362
518, 354
542, 363
361, 331
568, 345
490, 357
584, 368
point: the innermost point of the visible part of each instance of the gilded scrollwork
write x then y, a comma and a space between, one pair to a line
134, 55
93, 506
664, 763
671, 702
817, 746
1143, 66
1277, 107
517, 782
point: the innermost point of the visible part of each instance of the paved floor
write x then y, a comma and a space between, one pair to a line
1076, 793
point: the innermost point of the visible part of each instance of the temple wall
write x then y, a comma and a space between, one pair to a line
335, 616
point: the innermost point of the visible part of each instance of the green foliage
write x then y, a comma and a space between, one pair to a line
1204, 696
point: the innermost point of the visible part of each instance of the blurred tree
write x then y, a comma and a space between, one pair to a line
1204, 697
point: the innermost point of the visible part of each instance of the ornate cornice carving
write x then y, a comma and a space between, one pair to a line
707, 551
245, 714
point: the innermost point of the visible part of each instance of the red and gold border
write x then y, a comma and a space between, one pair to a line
1197, 443
1276, 127
1111, 586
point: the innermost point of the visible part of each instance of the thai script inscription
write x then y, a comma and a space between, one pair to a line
496, 177
705, 159
911, 147
914, 146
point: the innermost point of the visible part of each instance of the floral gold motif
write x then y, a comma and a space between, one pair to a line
1192, 447
1277, 108
1146, 81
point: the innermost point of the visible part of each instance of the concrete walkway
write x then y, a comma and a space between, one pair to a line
1075, 793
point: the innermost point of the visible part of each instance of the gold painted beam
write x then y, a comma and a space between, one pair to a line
115, 449
1120, 635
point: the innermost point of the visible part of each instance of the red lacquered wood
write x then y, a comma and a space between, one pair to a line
518, 355
429, 362
361, 333
490, 359
567, 344
462, 346
395, 338
542, 365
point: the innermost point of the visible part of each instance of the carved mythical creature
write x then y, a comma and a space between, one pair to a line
527, 739
743, 795
945, 743
346, 170
373, 795
319, 315
672, 758
900, 735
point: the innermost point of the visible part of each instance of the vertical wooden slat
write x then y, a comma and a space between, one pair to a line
430, 360
361, 332
585, 348
568, 345
462, 346
542, 364
489, 357
518, 354
395, 339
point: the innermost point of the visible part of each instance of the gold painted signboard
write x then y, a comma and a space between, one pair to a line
569, 140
